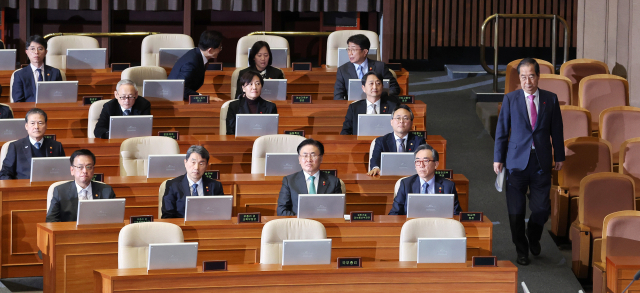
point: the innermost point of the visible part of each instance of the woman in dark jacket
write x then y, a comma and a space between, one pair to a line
250, 101
260, 61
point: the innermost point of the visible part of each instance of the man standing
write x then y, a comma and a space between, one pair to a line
529, 117
24, 80
126, 103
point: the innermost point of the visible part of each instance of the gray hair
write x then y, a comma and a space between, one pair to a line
423, 147
200, 150
126, 81
35, 111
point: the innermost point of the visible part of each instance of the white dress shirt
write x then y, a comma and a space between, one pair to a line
315, 180
82, 190
431, 189
198, 188
204, 58
33, 141
404, 139
35, 73
536, 101
370, 107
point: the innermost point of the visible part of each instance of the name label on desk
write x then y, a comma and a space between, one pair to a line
214, 265
212, 174
295, 132
361, 216
119, 67
140, 219
470, 216
98, 177
484, 261
301, 66
88, 100
445, 173
198, 99
333, 172
301, 99
50, 136
410, 99
249, 217
349, 262
419, 133
214, 66
173, 134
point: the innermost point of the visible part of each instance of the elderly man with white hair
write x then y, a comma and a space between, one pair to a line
126, 103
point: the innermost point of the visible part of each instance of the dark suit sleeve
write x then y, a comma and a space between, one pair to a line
6, 112
284, 200
394, 88
58, 75
338, 188
146, 108
217, 189
111, 194
339, 89
169, 201
280, 74
377, 153
557, 135
17, 91
456, 204
53, 215
274, 108
238, 89
102, 126
347, 126
399, 201
231, 119
502, 132
187, 72
9, 164
61, 151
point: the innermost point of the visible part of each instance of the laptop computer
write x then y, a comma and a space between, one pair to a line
208, 208
442, 250
429, 205
167, 57
278, 57
374, 124
356, 93
130, 126
87, 58
56, 92
343, 55
163, 256
274, 90
318, 206
165, 166
397, 164
306, 252
281, 164
100, 211
11, 129
256, 124
163, 89
8, 59
50, 169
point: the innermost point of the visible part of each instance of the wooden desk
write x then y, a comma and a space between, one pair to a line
372, 277
620, 272
70, 253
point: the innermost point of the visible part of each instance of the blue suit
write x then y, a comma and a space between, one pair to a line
411, 184
177, 189
24, 83
17, 163
189, 67
387, 143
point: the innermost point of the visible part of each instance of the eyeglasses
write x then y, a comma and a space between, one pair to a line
524, 77
34, 49
126, 98
88, 167
423, 162
402, 119
353, 50
309, 156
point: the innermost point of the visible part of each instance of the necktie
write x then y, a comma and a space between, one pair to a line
424, 188
359, 67
195, 189
127, 112
39, 71
312, 185
534, 112
37, 145
401, 148
84, 195
374, 109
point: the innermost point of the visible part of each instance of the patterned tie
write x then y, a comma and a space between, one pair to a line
312, 186
84, 195
195, 189
401, 148
359, 67
534, 112
37, 145
127, 112
39, 71
374, 109
424, 188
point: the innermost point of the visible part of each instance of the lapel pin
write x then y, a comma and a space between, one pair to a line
410, 143
26, 146
440, 189
96, 195
50, 147
370, 68
323, 183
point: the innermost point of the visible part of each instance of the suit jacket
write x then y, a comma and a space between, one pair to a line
411, 184
348, 71
174, 202
191, 68
5, 111
514, 135
64, 203
24, 84
17, 163
112, 108
272, 73
295, 184
350, 125
240, 107
387, 143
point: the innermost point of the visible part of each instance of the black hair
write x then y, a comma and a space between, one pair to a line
528, 62
370, 72
82, 152
402, 106
37, 39
360, 40
247, 77
210, 39
35, 111
311, 141
200, 150
423, 147
257, 46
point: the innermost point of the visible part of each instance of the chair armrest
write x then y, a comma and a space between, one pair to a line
580, 227
600, 265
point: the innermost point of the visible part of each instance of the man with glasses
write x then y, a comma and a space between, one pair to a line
126, 103
308, 181
64, 203
425, 182
400, 140
25, 79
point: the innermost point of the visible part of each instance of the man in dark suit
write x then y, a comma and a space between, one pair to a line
24, 80
358, 66
376, 102
308, 181
17, 163
529, 117
425, 182
192, 65
400, 140
193, 183
64, 203
126, 103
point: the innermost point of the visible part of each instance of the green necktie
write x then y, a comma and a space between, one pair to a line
312, 186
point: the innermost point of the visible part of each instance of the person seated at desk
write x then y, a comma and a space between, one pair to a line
425, 182
308, 181
260, 60
64, 203
5, 111
358, 66
400, 140
193, 183
24, 80
376, 102
250, 102
126, 103
17, 163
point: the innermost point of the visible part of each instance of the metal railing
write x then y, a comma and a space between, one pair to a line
317, 34
97, 35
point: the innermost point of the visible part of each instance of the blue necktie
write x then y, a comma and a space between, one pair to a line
127, 112
359, 71
37, 145
424, 188
39, 71
195, 189
401, 148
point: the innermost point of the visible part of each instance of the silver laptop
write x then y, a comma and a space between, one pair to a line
343, 55
281, 164
165, 166
163, 256
167, 57
429, 205
355, 89
256, 124
8, 59
274, 90
87, 58
397, 164
306, 252
163, 89
100, 211
278, 57
442, 250
318, 206
130, 126
208, 208
56, 92
50, 169
11, 129
374, 124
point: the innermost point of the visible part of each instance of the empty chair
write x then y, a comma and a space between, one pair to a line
152, 44
629, 160
134, 153
602, 91
139, 73
275, 231
94, 114
338, 39
576, 122
57, 49
618, 124
426, 228
134, 240
557, 84
575, 70
245, 43
512, 80
275, 143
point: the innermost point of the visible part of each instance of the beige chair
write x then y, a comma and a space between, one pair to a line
575, 70
373, 145
629, 159
64, 77
223, 117
338, 39
151, 45
512, 80
618, 124
50, 192
3, 151
163, 187
139, 73
602, 91
245, 43
275, 143
397, 186
134, 153
576, 121
234, 82
426, 228
557, 84
134, 240
94, 114
275, 231
57, 49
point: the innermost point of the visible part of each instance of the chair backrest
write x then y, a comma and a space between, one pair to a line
397, 186
618, 124
512, 80
584, 156
11, 86
223, 117
134, 153
577, 121
163, 187
621, 234
275, 231
557, 84
57, 49
602, 91
338, 39
629, 160
151, 45
426, 228
134, 240
139, 73
246, 42
3, 151
373, 145
575, 70
50, 192
275, 143
94, 113
602, 194
234, 82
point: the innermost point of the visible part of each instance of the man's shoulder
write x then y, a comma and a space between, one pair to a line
409, 179
50, 68
24, 71
51, 142
97, 186
140, 101
207, 181
176, 180
544, 93
65, 186
388, 136
444, 181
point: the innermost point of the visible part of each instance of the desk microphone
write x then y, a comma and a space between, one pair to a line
635, 278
